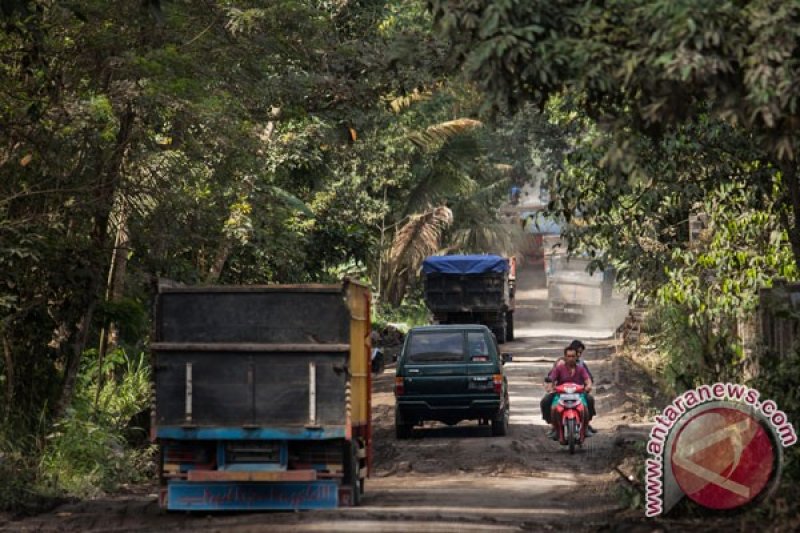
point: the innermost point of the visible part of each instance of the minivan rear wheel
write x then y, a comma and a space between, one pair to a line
500, 424
401, 428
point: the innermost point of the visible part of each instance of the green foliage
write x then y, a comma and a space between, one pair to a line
246, 142
130, 317
673, 109
742, 250
86, 452
663, 59
633, 198
631, 494
18, 470
775, 381
412, 312
682, 348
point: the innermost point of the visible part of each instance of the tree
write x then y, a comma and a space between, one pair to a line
207, 132
646, 65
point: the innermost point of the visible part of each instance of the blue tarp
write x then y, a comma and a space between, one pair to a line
464, 264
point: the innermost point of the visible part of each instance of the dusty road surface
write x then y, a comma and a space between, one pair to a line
444, 478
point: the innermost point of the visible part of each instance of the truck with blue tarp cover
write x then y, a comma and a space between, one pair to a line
472, 289
262, 396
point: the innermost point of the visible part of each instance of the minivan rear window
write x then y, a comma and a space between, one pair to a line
436, 347
478, 348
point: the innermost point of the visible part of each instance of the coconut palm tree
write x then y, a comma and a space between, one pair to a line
452, 206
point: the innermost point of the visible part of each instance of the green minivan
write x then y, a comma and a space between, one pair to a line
451, 373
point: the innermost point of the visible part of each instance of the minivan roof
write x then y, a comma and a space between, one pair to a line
446, 327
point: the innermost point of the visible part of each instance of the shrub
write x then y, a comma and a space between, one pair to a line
86, 452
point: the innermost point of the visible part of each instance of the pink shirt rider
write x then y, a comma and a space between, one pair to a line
561, 374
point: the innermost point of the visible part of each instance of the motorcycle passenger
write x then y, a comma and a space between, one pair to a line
580, 347
547, 400
568, 372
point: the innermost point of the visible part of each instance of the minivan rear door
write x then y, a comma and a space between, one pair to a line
435, 367
481, 363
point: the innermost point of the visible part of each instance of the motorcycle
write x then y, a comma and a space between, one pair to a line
571, 415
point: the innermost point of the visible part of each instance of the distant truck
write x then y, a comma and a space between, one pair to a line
262, 396
472, 289
572, 291
541, 235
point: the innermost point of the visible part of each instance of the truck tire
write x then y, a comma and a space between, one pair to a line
510, 326
351, 470
500, 333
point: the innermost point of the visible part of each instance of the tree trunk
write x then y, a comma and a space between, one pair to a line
104, 201
220, 258
226, 244
81, 338
9, 368
114, 291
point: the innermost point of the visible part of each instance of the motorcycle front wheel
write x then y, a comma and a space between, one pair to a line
571, 434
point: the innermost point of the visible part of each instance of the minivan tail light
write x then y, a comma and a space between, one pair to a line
399, 386
497, 379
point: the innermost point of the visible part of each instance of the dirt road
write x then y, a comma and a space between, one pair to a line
446, 478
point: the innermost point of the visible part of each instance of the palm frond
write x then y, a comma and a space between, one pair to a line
462, 151
413, 242
419, 237
438, 181
404, 102
290, 200
496, 237
436, 135
490, 193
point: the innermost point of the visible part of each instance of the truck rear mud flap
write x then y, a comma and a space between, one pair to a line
242, 496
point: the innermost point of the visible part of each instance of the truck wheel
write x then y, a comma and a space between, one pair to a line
500, 424
510, 326
351, 470
402, 430
500, 333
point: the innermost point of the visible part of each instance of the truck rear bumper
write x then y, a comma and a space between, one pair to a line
571, 309
243, 496
243, 433
251, 475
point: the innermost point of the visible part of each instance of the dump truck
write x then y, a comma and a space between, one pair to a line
262, 396
572, 291
472, 289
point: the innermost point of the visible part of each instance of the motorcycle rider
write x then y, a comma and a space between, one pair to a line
567, 372
547, 400
580, 347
